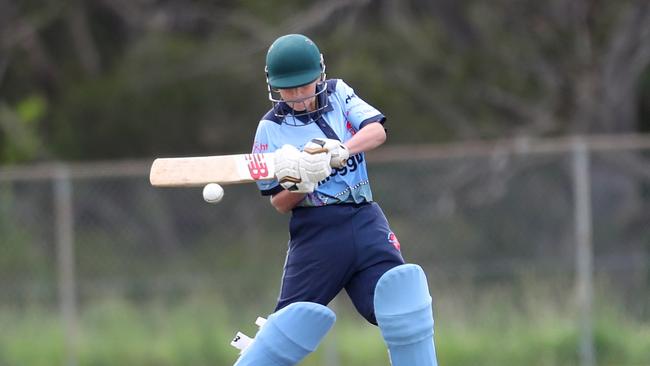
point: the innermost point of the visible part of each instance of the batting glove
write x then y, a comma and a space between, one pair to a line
339, 154
302, 187
294, 177
287, 166
314, 166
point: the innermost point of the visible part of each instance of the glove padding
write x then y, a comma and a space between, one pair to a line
287, 165
298, 171
314, 166
339, 154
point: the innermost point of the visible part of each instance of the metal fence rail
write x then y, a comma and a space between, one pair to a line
482, 211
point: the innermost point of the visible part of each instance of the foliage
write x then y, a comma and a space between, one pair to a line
114, 80
21, 125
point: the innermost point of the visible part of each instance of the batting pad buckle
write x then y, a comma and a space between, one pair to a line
242, 341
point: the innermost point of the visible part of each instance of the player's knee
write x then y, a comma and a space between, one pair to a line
289, 335
405, 315
367, 310
402, 298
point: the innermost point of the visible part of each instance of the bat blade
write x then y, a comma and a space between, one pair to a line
201, 170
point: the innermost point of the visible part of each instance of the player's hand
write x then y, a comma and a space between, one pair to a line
289, 173
314, 165
339, 154
302, 187
287, 166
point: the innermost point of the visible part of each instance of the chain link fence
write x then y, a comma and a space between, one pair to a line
526, 231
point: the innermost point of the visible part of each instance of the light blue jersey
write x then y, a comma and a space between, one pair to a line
344, 115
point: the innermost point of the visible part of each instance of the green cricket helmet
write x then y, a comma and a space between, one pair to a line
293, 61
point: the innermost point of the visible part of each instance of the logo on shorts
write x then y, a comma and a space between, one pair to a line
392, 238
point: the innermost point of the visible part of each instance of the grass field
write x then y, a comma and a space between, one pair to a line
196, 331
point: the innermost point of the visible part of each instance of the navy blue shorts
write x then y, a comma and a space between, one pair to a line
335, 247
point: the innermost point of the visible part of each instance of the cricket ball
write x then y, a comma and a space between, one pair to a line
212, 193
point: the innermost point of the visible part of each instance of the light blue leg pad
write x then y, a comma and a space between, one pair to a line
405, 316
289, 335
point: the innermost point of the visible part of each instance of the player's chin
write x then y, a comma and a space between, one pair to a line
298, 107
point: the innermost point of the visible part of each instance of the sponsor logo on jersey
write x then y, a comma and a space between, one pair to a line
259, 147
392, 239
257, 166
349, 127
351, 165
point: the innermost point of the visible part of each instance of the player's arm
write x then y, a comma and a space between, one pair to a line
362, 117
285, 201
367, 138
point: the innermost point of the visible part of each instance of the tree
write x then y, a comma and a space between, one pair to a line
129, 79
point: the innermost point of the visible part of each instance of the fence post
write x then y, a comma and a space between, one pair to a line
584, 250
64, 228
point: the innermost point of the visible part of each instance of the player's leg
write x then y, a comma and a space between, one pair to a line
288, 335
376, 252
314, 273
390, 293
405, 316
401, 305
320, 257
361, 288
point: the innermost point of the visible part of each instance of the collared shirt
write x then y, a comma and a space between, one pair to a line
344, 115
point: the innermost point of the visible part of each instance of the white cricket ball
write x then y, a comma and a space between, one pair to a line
212, 193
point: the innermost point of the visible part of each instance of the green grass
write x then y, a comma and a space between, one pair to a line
196, 331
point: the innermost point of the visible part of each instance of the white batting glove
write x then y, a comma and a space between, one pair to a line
314, 166
288, 172
339, 154
287, 166
302, 187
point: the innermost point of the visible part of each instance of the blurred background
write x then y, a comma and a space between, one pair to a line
517, 173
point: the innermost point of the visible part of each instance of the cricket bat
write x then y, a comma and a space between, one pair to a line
201, 170
222, 169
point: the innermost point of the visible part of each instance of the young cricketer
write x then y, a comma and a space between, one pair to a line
340, 238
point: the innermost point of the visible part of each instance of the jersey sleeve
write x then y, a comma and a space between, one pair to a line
357, 111
262, 144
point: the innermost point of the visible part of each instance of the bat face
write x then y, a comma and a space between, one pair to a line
222, 169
